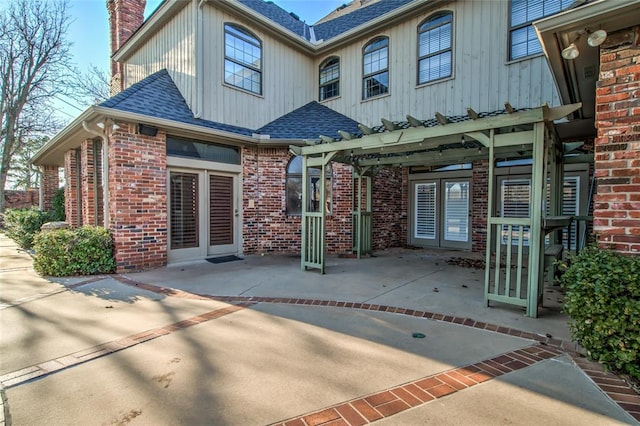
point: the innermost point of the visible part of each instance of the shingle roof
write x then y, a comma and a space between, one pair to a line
158, 96
341, 24
328, 29
309, 122
280, 16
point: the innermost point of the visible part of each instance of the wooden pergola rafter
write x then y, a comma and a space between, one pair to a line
441, 141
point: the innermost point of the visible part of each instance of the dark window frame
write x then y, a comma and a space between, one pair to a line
532, 44
432, 23
240, 33
313, 175
330, 88
369, 50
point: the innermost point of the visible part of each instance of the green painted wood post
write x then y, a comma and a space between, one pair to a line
536, 240
490, 212
305, 201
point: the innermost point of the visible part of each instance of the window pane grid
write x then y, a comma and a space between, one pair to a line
375, 63
243, 60
329, 79
435, 48
523, 40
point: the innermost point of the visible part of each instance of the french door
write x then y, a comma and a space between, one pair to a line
203, 214
440, 213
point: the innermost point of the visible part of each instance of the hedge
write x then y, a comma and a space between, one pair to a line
75, 251
603, 302
21, 225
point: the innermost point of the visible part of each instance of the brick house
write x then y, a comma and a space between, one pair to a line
195, 154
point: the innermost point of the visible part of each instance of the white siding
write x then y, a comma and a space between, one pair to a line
482, 77
173, 48
288, 77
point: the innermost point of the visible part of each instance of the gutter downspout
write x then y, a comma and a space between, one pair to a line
199, 96
105, 163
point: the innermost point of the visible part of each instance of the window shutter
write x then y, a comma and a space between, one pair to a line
515, 199
184, 210
220, 210
456, 211
425, 214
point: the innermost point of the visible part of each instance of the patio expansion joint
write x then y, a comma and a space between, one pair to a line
55, 365
622, 394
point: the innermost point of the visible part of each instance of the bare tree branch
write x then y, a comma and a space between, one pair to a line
34, 64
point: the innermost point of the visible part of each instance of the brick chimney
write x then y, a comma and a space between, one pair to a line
125, 17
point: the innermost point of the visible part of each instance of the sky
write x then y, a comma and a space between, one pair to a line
89, 35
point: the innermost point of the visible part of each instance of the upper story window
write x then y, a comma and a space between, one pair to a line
242, 59
330, 78
435, 41
523, 41
375, 68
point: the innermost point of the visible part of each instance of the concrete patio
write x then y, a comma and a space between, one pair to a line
259, 341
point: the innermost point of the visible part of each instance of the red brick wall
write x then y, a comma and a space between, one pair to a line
71, 202
266, 227
479, 205
21, 199
88, 184
50, 185
388, 209
617, 147
138, 199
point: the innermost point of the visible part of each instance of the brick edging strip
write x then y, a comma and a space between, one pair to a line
79, 357
386, 403
610, 384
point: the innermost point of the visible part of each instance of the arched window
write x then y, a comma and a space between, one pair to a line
435, 47
375, 68
242, 59
294, 188
330, 78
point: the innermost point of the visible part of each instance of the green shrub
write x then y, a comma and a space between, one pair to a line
75, 251
58, 213
21, 225
603, 301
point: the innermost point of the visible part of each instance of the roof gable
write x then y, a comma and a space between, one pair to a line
158, 96
309, 122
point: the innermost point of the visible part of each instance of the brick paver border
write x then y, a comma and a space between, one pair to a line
368, 408
610, 384
386, 403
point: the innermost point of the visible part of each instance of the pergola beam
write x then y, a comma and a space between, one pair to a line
418, 134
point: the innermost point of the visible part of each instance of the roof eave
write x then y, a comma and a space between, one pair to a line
283, 33
163, 14
73, 134
551, 31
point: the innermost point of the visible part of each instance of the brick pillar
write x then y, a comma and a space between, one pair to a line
88, 184
387, 209
617, 159
138, 198
71, 185
125, 17
50, 185
479, 205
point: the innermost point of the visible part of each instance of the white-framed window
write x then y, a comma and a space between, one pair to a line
242, 59
435, 47
375, 68
523, 41
329, 78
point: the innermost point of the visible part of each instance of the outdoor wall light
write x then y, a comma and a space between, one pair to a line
595, 39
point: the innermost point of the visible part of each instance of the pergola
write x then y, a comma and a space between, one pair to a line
444, 140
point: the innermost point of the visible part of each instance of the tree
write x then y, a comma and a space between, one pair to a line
22, 174
91, 87
34, 65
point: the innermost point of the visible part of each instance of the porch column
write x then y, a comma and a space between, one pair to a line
88, 183
50, 184
72, 188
